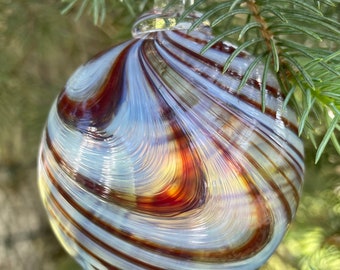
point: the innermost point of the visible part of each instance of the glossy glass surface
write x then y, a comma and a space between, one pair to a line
151, 159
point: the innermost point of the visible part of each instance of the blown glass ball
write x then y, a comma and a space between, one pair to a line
152, 159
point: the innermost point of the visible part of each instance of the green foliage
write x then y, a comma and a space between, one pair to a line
298, 41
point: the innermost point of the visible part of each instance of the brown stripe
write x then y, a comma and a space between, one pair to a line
282, 171
272, 113
104, 245
229, 49
261, 171
151, 62
165, 107
255, 244
186, 191
275, 92
220, 45
275, 187
97, 110
74, 239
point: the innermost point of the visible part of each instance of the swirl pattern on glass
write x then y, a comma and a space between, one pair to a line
151, 159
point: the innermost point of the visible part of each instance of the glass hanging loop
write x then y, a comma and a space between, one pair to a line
164, 16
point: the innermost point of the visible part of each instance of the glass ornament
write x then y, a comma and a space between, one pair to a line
152, 159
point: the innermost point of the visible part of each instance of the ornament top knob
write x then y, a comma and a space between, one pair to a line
164, 17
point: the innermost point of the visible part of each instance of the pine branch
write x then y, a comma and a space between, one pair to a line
297, 39
287, 37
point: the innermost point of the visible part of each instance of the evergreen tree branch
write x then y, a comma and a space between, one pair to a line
290, 33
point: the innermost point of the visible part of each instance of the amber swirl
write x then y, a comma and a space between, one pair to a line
152, 160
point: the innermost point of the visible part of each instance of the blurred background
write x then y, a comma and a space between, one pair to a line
39, 50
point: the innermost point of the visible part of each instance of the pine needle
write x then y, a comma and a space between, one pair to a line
206, 15
248, 27
220, 38
238, 50
306, 76
82, 9
190, 9
68, 7
228, 15
327, 137
264, 81
275, 53
289, 96
309, 103
234, 4
249, 71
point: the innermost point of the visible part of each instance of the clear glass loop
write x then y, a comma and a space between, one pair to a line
164, 16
